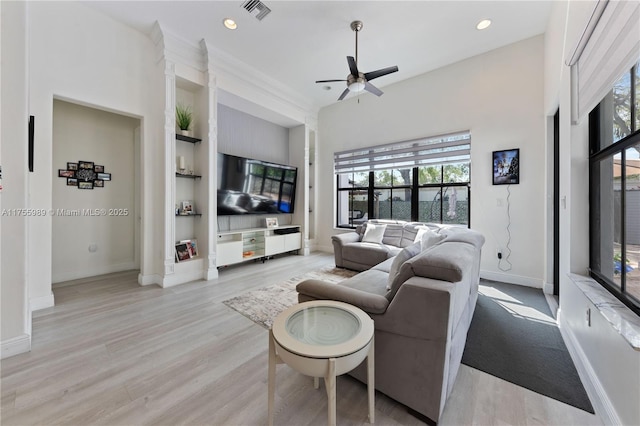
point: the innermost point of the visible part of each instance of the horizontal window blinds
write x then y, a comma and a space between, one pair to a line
437, 150
611, 50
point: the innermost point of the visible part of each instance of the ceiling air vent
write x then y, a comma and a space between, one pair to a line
257, 8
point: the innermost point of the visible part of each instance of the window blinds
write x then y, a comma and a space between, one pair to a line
432, 151
611, 49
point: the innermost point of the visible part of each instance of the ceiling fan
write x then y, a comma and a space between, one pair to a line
357, 81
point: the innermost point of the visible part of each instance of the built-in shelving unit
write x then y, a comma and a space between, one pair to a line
257, 243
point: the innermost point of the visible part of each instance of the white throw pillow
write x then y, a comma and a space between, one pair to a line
430, 239
374, 233
421, 230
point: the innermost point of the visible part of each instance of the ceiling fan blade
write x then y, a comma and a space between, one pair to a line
372, 89
353, 67
346, 91
328, 81
379, 73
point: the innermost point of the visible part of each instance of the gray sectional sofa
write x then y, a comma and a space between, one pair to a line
421, 297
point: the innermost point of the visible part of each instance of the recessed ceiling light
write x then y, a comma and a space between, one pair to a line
483, 24
230, 23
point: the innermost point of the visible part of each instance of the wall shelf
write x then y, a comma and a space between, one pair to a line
187, 215
182, 175
187, 138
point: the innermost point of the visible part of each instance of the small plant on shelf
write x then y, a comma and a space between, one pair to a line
184, 118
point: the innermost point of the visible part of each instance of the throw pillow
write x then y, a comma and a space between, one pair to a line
374, 233
429, 239
406, 254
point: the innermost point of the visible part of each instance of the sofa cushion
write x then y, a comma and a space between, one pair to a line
406, 254
374, 233
393, 235
445, 261
365, 253
428, 238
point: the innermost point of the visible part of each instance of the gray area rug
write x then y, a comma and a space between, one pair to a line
263, 305
514, 336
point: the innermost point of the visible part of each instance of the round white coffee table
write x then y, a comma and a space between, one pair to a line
322, 338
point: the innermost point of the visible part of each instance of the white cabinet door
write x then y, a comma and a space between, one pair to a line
274, 244
228, 253
292, 241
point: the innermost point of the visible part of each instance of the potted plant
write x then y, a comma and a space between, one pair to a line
184, 118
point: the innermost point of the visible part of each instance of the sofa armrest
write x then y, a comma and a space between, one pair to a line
321, 290
420, 309
346, 238
339, 241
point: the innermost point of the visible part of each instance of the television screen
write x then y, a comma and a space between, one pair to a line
247, 186
506, 167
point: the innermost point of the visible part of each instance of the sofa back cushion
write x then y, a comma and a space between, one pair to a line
406, 254
445, 261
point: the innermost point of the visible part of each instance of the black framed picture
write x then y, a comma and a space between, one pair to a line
506, 167
104, 176
72, 181
85, 185
72, 166
86, 165
66, 173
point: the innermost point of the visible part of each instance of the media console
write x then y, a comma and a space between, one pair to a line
256, 243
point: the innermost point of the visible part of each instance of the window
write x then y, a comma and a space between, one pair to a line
615, 190
425, 180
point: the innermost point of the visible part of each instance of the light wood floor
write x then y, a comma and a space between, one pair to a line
114, 353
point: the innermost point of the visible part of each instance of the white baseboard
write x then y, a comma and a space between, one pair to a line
182, 278
547, 287
325, 249
511, 279
14, 346
598, 396
43, 302
92, 272
149, 279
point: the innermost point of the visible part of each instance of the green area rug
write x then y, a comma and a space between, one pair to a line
514, 336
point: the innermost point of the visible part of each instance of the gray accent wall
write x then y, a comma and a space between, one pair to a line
244, 135
247, 136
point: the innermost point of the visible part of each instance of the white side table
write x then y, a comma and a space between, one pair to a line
322, 339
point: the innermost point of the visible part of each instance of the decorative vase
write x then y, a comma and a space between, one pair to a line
186, 132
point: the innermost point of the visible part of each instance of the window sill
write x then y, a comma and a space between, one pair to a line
621, 318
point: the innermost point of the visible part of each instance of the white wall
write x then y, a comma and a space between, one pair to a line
86, 134
81, 55
15, 316
610, 367
498, 96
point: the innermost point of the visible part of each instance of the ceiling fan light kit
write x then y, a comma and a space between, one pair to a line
357, 81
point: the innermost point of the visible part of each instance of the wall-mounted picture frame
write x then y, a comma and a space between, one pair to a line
272, 222
98, 183
72, 182
98, 169
104, 176
85, 165
182, 252
506, 167
66, 173
72, 166
85, 185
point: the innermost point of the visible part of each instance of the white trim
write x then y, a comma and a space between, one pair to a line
185, 277
512, 279
14, 346
92, 272
149, 279
42, 302
596, 392
547, 287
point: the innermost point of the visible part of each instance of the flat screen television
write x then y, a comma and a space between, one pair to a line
247, 186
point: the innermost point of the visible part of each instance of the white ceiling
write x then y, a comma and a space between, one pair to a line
303, 41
